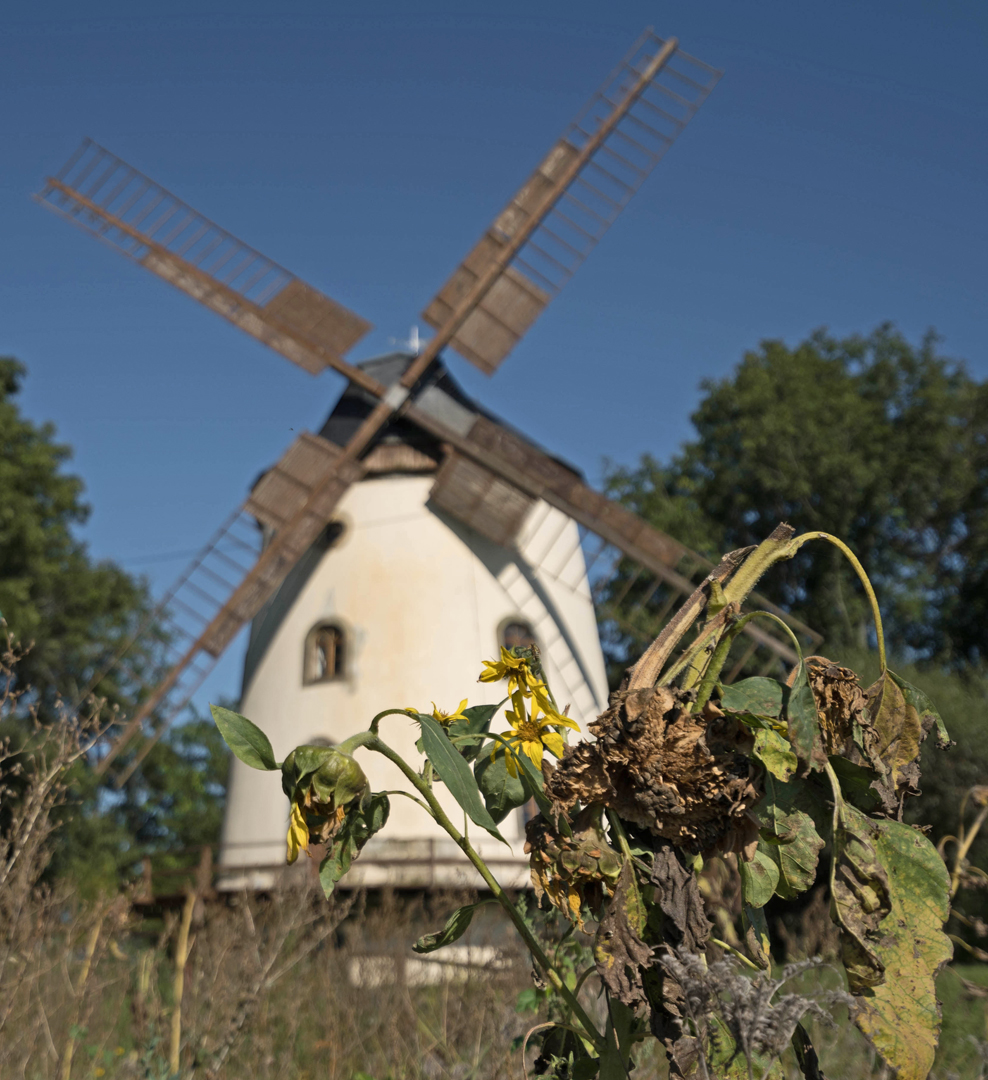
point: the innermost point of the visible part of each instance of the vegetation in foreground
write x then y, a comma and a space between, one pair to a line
776, 779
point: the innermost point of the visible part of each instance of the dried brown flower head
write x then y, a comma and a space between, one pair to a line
683, 776
572, 871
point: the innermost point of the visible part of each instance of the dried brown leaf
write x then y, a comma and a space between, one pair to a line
678, 896
619, 950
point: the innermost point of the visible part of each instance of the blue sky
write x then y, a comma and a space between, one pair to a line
836, 176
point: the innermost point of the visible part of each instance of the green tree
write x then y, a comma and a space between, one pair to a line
70, 610
876, 440
72, 614
168, 808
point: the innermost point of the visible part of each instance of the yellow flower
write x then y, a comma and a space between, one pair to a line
531, 734
540, 695
508, 665
446, 718
298, 833
516, 669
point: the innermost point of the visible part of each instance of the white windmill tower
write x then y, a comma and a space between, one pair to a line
399, 546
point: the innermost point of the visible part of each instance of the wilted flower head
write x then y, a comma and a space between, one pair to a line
572, 871
683, 776
320, 782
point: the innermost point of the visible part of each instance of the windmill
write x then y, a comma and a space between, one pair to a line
339, 600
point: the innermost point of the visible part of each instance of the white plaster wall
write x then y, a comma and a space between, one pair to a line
421, 599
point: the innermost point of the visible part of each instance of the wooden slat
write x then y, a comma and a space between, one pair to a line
481, 499
135, 216
527, 255
283, 489
291, 542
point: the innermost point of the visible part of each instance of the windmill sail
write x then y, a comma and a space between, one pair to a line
121, 206
491, 480
565, 207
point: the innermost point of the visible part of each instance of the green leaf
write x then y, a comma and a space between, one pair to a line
456, 926
502, 792
530, 1000
456, 775
759, 877
727, 1061
775, 754
478, 721
245, 739
900, 1015
804, 723
359, 825
533, 778
788, 814
928, 714
856, 784
757, 695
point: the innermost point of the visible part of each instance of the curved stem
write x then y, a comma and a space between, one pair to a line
534, 946
407, 794
376, 722
963, 846
362, 738
735, 953
865, 581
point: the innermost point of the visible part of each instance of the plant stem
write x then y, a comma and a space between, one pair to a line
373, 742
860, 570
964, 842
776, 547
716, 664
701, 641
181, 956
376, 722
619, 832
65, 1066
735, 953
709, 678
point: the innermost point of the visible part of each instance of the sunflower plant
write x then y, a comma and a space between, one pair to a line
791, 781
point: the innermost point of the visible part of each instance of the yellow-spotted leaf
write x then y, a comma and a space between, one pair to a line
900, 1015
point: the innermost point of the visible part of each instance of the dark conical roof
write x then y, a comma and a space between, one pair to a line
439, 395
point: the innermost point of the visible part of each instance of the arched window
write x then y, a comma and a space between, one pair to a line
517, 634
325, 654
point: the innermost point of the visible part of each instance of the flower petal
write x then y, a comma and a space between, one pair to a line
298, 833
534, 751
553, 742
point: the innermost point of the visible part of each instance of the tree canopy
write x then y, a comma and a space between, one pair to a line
70, 614
70, 610
879, 441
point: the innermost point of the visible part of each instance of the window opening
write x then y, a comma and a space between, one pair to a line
325, 654
517, 635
